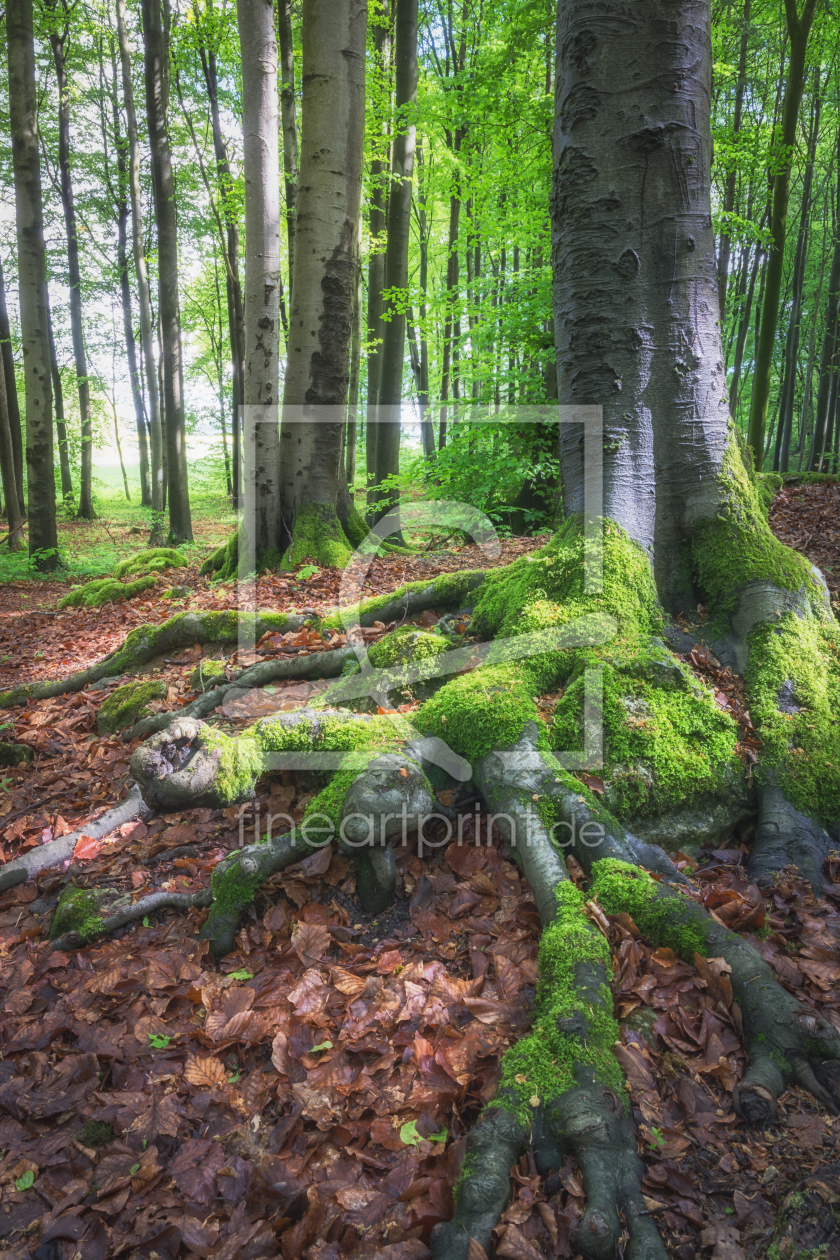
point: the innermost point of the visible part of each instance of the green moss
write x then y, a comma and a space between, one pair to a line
487, 709
448, 590
155, 560
223, 560
93, 594
801, 750
240, 762
15, 754
405, 646
78, 910
767, 486
573, 1023
127, 704
232, 890
95, 1134
738, 547
670, 921
206, 674
319, 538
334, 735
330, 801
663, 745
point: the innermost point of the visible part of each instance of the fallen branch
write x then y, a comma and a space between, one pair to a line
146, 905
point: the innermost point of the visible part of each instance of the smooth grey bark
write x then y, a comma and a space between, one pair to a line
351, 431
156, 22
58, 43
420, 352
120, 197
288, 118
799, 29
828, 366
10, 381
396, 256
233, 285
634, 253
262, 273
741, 339
58, 407
377, 221
142, 277
329, 198
781, 456
32, 280
14, 520
725, 243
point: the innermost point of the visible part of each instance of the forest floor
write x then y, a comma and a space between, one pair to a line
310, 1096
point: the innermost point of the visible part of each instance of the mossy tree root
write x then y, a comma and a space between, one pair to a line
152, 904
235, 882
146, 642
561, 1086
786, 837
191, 764
57, 851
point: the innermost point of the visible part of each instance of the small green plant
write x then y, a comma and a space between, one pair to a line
158, 1041
308, 571
26, 1181
410, 1136
135, 1168
323, 1045
241, 975
657, 1139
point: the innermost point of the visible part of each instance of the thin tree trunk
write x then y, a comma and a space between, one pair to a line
58, 407
262, 276
355, 373
58, 42
10, 382
288, 118
396, 255
144, 298
14, 520
320, 330
156, 22
120, 195
781, 457
799, 29
32, 273
451, 297
743, 329
382, 41
827, 363
725, 243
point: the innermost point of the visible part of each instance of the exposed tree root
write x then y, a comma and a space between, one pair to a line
139, 910
146, 642
57, 851
786, 837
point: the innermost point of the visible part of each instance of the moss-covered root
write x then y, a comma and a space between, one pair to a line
317, 537
235, 882
85, 914
192, 764
785, 837
449, 590
147, 642
154, 560
785, 1042
128, 703
104, 590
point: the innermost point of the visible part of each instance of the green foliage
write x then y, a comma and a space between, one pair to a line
127, 704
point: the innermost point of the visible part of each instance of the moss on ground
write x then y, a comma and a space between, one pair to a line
93, 594
78, 910
568, 1031
738, 547
206, 675
797, 663
155, 560
127, 704
319, 538
95, 1134
671, 921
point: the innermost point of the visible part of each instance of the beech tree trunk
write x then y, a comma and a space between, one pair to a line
799, 29
288, 118
396, 255
10, 382
58, 43
156, 51
142, 276
14, 520
725, 244
377, 218
321, 324
262, 273
32, 272
660, 381
58, 407
828, 366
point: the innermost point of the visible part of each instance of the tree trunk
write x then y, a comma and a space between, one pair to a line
661, 383
450, 335
378, 206
141, 273
781, 457
725, 243
389, 429
58, 407
828, 366
236, 317
32, 272
14, 520
10, 382
741, 341
156, 54
318, 365
263, 508
58, 42
799, 29
125, 289
288, 117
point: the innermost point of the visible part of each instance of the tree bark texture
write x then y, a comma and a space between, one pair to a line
32, 271
10, 380
288, 118
377, 222
155, 15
